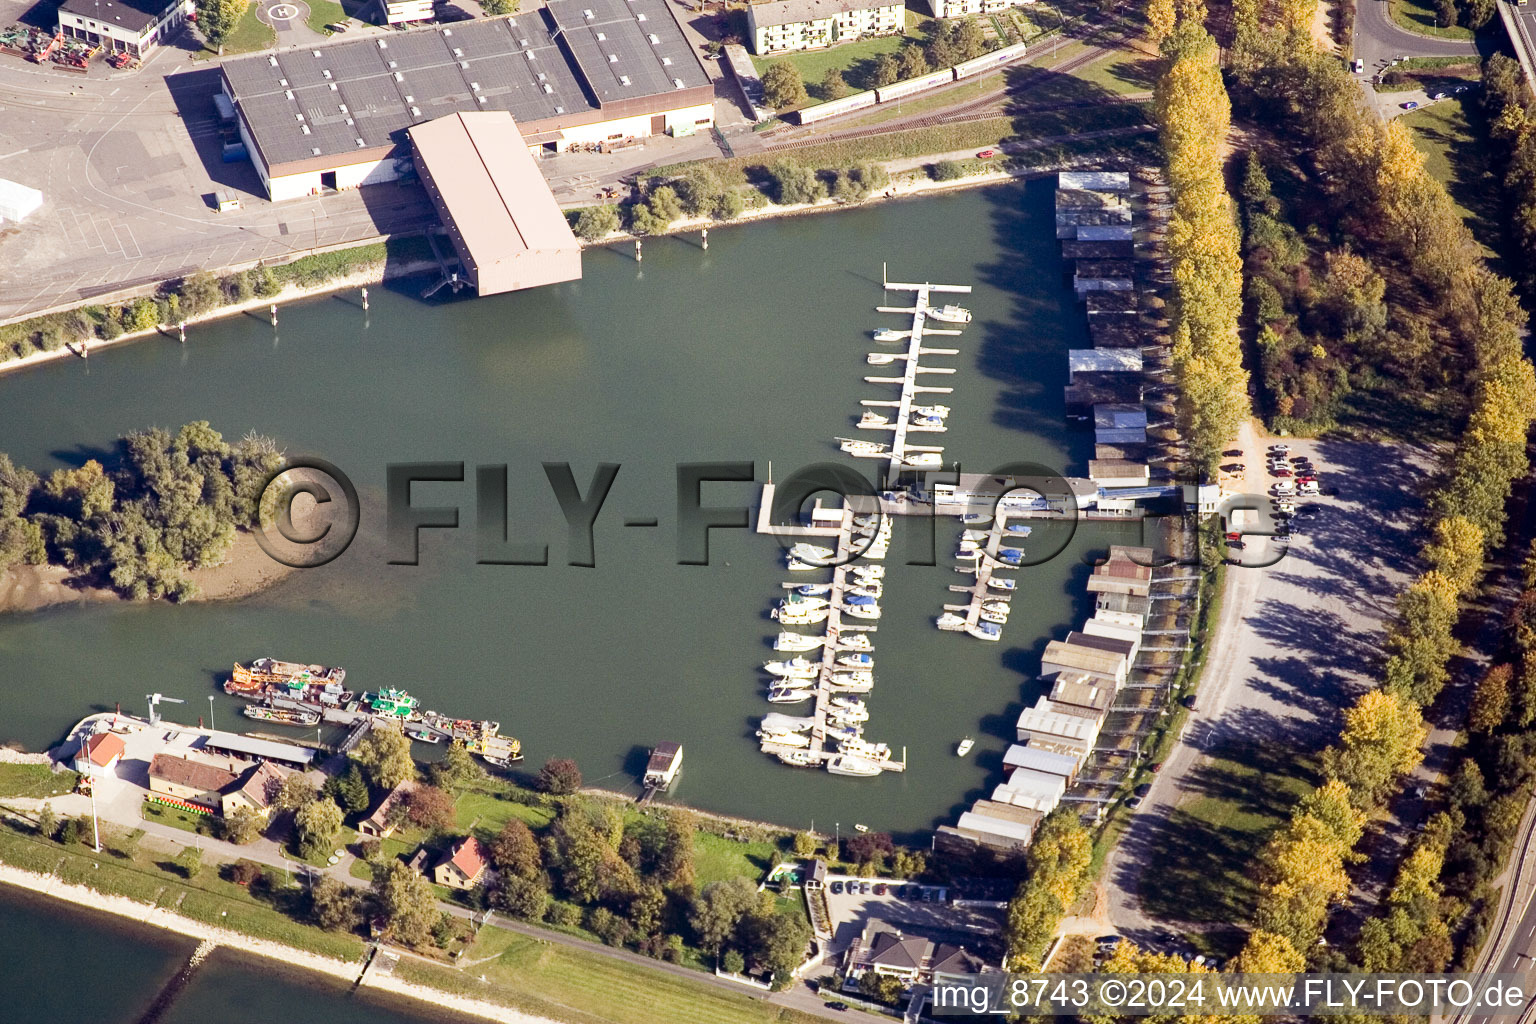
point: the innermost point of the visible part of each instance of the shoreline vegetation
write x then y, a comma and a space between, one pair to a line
344, 971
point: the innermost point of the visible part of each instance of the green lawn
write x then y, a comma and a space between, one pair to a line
175, 817
1201, 868
1419, 16
34, 780
856, 60
586, 988
1449, 134
485, 812
323, 13
1121, 72
716, 859
249, 35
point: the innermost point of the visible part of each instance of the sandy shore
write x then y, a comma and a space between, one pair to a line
245, 570
47, 885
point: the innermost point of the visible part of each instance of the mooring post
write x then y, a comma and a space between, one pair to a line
183, 328
365, 300
274, 314
638, 254
704, 235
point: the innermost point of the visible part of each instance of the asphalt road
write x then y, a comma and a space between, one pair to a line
1378, 39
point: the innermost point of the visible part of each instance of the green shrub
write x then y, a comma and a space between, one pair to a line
946, 170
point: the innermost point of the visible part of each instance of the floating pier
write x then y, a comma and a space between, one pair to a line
984, 569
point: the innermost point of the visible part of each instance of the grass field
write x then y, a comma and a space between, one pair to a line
1419, 16
249, 35
323, 13
716, 859
34, 780
1203, 866
1449, 134
585, 988
484, 812
856, 60
175, 817
1121, 72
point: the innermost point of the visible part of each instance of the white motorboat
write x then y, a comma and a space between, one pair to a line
848, 764
977, 518
856, 642
847, 716
860, 747
803, 601
931, 410
878, 549
801, 616
855, 446
814, 589
874, 591
923, 459
999, 607
856, 677
788, 739
985, 631
793, 667
888, 334
1001, 618
796, 565
1001, 583
798, 758
856, 660
964, 747
791, 682
882, 358
811, 552
873, 421
787, 695
869, 572
868, 612
951, 622
865, 522
968, 554
849, 703
950, 314
846, 684
935, 423
973, 536
791, 642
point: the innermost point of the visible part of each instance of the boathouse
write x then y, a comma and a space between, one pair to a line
666, 761
1107, 666
493, 201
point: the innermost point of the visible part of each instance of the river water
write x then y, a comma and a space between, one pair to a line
750, 351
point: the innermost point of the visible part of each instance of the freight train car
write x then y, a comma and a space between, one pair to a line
832, 108
896, 90
988, 61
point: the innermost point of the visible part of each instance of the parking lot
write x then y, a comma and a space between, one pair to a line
128, 164
935, 917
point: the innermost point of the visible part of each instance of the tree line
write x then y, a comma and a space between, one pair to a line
723, 193
170, 503
1461, 341
1512, 125
1193, 116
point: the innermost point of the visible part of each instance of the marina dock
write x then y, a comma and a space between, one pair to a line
981, 591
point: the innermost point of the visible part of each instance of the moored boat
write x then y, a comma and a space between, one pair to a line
792, 667
850, 764
868, 612
951, 622
931, 410
873, 421
855, 446
985, 631
788, 695
791, 642
855, 642
889, 334
800, 616
950, 314
284, 716
1001, 583
857, 660
811, 552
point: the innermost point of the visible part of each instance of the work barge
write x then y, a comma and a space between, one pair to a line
318, 691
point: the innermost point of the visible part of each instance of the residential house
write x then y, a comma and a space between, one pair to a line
183, 780
781, 26
254, 791
463, 865
384, 820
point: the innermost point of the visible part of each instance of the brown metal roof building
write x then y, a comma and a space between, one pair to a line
503, 220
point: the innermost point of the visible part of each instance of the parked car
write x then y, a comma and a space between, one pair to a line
837, 888
986, 154
837, 1004
1190, 702
1280, 473
864, 888
1438, 96
1155, 767
880, 889
1233, 453
1282, 448
1143, 789
1411, 105
1133, 803
1359, 66
1283, 487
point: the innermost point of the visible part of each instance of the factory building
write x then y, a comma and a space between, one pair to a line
131, 26
575, 73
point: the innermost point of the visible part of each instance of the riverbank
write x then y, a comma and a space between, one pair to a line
245, 570
344, 971
373, 274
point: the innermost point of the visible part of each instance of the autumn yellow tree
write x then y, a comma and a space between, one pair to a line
1161, 18
1491, 699
1420, 640
1381, 741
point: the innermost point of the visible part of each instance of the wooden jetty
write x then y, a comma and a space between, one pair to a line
985, 568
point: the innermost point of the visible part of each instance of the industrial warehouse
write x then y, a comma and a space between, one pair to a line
580, 72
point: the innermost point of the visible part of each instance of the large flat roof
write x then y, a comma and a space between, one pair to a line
626, 49
251, 746
325, 101
489, 185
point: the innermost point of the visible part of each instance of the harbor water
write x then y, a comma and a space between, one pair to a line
752, 351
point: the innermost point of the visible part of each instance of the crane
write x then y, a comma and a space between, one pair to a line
154, 702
